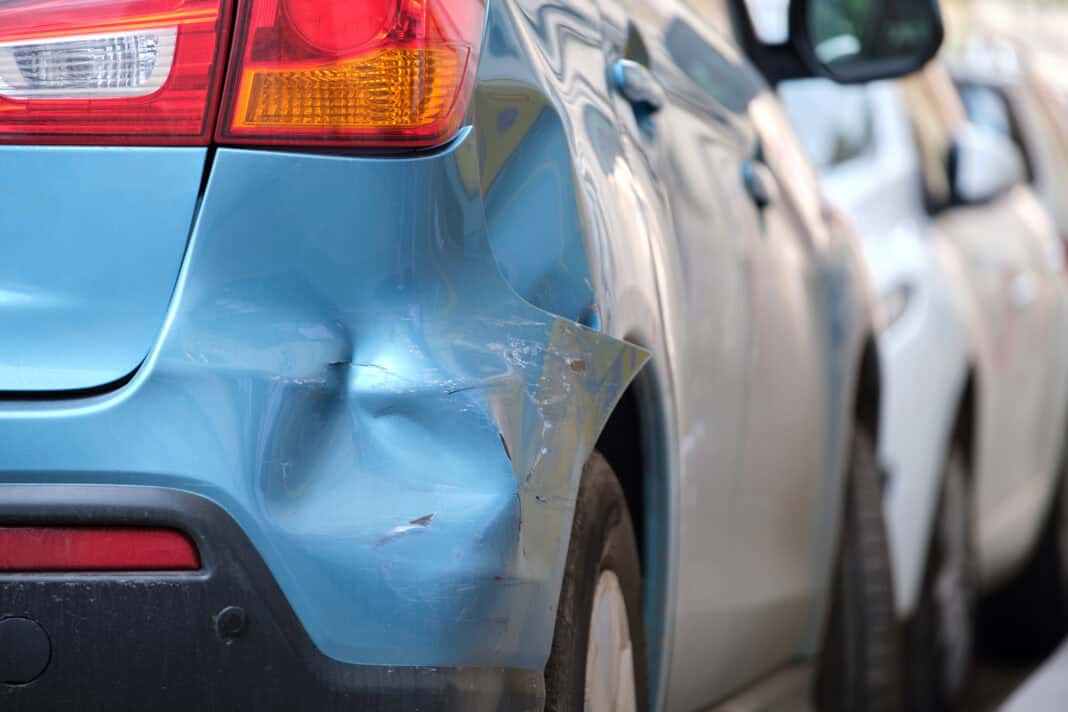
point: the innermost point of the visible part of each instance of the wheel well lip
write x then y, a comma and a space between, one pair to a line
652, 390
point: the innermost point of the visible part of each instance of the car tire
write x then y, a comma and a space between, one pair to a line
600, 606
1027, 618
859, 667
940, 639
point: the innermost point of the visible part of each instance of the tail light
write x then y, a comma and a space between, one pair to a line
110, 71
350, 72
303, 72
24, 549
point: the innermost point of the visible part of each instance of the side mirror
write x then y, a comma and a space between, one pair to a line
983, 165
848, 41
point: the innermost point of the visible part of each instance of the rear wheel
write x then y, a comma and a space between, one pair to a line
941, 633
859, 667
598, 660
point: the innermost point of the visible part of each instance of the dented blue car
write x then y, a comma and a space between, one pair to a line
433, 355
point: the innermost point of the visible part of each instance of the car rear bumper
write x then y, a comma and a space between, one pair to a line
345, 372
221, 638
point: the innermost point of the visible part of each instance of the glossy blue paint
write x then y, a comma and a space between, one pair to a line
346, 372
92, 243
532, 209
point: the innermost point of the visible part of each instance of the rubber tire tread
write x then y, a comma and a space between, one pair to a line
602, 538
860, 666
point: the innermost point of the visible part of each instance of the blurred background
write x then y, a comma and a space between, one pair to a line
956, 180
986, 39
1041, 23
1039, 28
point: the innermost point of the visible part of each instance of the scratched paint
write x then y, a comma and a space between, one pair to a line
345, 370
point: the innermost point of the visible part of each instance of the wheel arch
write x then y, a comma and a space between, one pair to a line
635, 442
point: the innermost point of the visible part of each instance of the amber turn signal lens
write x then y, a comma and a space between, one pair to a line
342, 73
391, 89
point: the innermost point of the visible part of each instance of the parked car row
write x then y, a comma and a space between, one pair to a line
954, 179
508, 355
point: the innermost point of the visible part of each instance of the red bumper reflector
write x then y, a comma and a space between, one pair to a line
28, 549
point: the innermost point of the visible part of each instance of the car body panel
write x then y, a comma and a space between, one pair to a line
755, 305
379, 419
93, 241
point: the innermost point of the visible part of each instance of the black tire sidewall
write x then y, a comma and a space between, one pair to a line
861, 661
602, 539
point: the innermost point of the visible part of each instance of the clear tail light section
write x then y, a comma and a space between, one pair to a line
355, 73
143, 72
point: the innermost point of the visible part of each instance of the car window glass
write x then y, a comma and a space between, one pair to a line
853, 131
731, 83
836, 124
987, 107
771, 20
991, 109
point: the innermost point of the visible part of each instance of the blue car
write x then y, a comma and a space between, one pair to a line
434, 355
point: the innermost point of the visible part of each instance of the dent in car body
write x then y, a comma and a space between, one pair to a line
339, 368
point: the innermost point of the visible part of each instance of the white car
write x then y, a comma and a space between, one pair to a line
969, 270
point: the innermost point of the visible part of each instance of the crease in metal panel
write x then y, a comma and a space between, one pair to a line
346, 372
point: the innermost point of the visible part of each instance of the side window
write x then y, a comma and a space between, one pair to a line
836, 124
725, 80
990, 108
987, 108
855, 130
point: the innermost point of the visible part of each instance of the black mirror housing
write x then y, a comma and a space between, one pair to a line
847, 42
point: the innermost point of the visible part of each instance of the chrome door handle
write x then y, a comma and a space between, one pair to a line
637, 85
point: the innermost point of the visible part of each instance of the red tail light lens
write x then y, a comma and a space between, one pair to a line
111, 71
351, 72
28, 549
